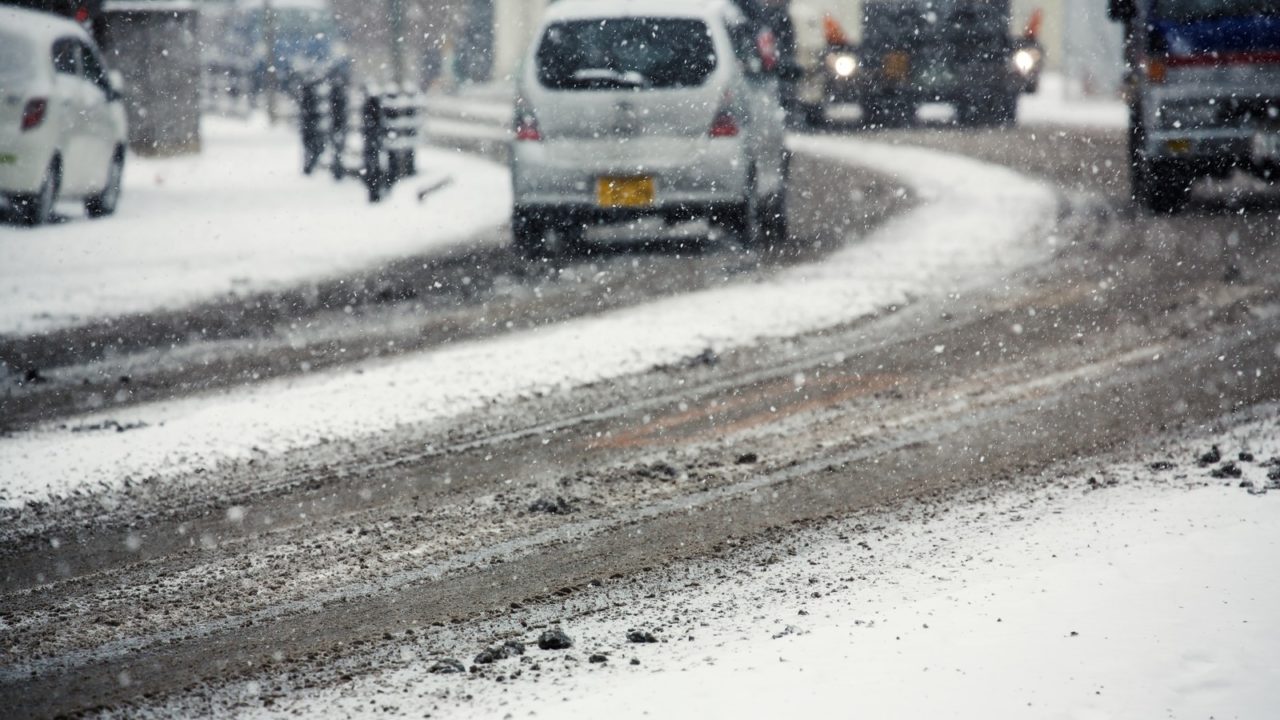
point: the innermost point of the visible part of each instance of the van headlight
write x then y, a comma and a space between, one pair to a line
843, 65
1025, 61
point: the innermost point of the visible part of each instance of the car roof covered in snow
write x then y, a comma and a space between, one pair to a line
40, 27
578, 9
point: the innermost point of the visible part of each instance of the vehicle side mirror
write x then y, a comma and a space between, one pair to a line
115, 84
1121, 10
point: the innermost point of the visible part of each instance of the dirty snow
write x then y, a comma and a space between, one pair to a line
238, 218
951, 241
1116, 591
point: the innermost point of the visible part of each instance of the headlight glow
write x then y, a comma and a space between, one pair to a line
1025, 61
844, 65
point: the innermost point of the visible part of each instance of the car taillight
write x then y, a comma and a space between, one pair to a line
33, 113
527, 126
725, 125
527, 131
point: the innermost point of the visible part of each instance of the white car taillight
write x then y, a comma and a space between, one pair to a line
526, 124
34, 112
725, 125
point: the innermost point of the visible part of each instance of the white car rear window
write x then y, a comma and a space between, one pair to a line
628, 52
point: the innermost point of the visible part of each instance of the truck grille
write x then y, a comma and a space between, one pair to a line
1241, 113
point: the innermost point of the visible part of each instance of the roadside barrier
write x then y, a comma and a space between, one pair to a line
389, 120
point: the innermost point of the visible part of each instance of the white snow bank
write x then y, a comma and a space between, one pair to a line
1057, 103
1154, 598
238, 218
978, 221
1127, 606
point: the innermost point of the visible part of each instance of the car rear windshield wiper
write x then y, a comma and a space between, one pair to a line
610, 78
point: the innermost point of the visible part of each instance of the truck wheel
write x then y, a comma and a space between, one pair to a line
1006, 111
1161, 186
815, 116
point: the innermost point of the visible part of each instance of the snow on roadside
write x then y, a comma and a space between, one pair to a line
238, 218
977, 222
1057, 103
1126, 591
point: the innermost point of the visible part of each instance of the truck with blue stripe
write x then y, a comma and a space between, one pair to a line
1203, 87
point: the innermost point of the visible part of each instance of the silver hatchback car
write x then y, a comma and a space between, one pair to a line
665, 108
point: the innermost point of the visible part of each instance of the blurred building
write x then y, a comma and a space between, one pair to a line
153, 43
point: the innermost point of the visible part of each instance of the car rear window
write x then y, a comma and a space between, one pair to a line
631, 52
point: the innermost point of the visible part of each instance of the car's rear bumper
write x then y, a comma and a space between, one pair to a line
583, 214
685, 173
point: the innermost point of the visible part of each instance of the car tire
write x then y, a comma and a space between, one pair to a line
37, 209
526, 233
773, 221
540, 235
743, 221
998, 111
773, 216
105, 202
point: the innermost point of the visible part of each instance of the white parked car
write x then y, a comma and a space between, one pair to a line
664, 108
62, 122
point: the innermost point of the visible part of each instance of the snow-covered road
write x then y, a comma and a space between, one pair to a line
236, 219
976, 222
944, 456
1126, 591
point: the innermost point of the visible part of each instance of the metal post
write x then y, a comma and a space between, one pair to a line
269, 36
396, 13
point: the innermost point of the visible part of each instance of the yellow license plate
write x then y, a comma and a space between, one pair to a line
897, 66
629, 192
8, 159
